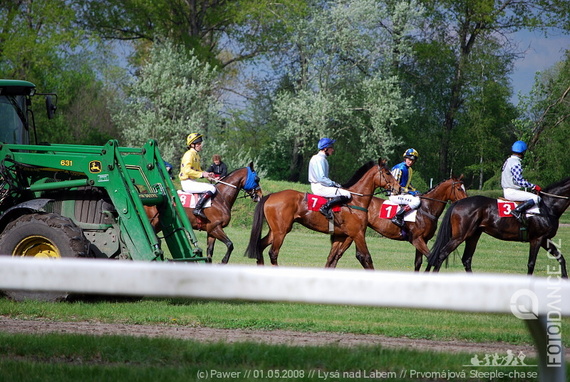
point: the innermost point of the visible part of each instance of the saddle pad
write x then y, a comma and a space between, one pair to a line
506, 206
189, 200
388, 211
315, 202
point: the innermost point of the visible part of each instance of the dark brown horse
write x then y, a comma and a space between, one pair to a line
220, 212
468, 218
418, 233
283, 208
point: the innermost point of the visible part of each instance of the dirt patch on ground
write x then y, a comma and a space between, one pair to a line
282, 337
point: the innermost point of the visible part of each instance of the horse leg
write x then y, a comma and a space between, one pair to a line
554, 252
338, 247
276, 244
362, 253
218, 233
210, 249
470, 245
532, 254
447, 249
421, 250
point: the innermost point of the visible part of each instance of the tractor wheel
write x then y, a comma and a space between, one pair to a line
46, 236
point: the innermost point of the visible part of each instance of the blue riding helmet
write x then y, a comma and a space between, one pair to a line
326, 142
519, 147
411, 153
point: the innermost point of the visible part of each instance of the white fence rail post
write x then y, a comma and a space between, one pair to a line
538, 300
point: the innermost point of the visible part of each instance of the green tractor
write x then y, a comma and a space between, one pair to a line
83, 201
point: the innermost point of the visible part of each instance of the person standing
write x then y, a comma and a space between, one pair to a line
218, 167
408, 199
513, 182
190, 170
321, 184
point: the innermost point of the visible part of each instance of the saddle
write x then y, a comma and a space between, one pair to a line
315, 202
505, 207
388, 211
189, 199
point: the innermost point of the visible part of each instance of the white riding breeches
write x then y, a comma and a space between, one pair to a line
192, 186
407, 199
328, 192
520, 195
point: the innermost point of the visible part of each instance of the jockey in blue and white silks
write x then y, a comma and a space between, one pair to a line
408, 200
321, 184
513, 182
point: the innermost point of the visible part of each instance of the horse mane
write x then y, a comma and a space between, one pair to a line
557, 185
230, 173
359, 174
434, 187
443, 181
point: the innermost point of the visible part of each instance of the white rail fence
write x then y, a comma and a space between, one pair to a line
540, 301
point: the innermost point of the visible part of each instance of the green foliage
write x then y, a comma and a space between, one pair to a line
170, 99
546, 125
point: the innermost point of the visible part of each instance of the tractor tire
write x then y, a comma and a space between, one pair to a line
47, 236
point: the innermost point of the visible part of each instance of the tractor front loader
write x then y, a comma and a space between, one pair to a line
60, 200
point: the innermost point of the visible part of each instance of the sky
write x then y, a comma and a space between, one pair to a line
541, 54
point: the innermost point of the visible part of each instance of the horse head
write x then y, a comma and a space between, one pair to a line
455, 189
251, 184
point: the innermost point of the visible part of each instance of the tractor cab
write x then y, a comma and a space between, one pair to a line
16, 116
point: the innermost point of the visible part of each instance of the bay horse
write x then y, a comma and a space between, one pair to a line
219, 213
282, 209
468, 218
418, 233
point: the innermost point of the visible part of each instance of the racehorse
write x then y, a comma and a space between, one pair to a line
468, 218
219, 213
283, 208
418, 233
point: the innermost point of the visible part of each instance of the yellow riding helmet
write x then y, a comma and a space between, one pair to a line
194, 138
411, 153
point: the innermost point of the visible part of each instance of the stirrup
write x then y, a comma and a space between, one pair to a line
327, 213
399, 222
199, 212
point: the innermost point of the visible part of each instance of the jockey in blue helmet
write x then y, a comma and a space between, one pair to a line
408, 200
514, 184
319, 178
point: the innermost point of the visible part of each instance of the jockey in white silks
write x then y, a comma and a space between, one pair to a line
513, 182
319, 178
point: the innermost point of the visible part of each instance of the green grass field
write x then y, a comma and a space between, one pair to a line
72, 357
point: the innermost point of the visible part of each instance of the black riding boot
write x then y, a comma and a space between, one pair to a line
519, 212
398, 219
198, 210
326, 208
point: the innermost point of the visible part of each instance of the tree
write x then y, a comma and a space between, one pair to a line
339, 66
40, 42
545, 124
462, 24
172, 97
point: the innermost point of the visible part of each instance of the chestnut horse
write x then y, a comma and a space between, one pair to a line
468, 218
283, 208
219, 213
418, 233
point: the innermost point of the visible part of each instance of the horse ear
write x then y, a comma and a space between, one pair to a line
381, 162
461, 177
251, 165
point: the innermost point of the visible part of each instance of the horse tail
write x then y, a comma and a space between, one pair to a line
443, 237
253, 250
